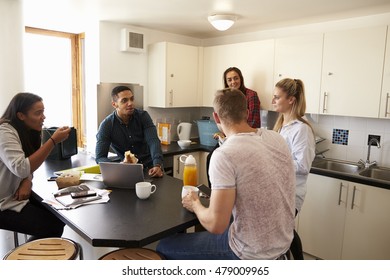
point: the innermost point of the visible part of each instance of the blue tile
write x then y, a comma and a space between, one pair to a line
340, 136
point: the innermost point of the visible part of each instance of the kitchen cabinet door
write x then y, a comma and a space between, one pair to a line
173, 75
322, 218
254, 59
216, 60
352, 72
201, 158
345, 220
384, 111
178, 166
301, 58
367, 224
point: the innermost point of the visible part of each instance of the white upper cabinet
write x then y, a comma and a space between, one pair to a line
384, 111
173, 75
352, 72
301, 58
254, 59
215, 63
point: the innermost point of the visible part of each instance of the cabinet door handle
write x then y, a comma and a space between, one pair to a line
387, 105
324, 109
178, 166
171, 97
353, 197
340, 192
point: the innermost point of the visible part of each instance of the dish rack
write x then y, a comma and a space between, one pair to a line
318, 140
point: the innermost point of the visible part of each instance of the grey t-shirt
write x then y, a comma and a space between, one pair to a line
259, 166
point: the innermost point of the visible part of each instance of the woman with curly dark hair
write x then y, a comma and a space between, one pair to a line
21, 153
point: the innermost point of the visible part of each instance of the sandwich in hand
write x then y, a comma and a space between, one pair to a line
130, 157
218, 135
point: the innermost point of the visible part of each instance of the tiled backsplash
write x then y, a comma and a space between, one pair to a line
340, 136
347, 137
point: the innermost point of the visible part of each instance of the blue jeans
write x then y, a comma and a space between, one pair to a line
197, 246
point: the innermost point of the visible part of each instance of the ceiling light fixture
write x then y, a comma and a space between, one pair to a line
222, 22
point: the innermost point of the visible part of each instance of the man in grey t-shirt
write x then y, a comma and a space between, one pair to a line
253, 179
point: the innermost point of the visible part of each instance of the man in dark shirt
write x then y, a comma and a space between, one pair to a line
129, 129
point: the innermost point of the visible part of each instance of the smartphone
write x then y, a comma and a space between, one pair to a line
82, 194
205, 190
52, 178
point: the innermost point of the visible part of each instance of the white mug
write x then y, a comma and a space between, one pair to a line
186, 189
144, 189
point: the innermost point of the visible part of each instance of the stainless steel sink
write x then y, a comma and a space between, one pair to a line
376, 172
339, 166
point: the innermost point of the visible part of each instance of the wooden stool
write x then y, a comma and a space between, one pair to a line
132, 254
46, 249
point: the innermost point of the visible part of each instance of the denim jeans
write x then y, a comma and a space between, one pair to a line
197, 246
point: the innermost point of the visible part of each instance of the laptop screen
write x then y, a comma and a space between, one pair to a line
121, 175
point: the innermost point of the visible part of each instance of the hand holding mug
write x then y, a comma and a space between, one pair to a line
189, 195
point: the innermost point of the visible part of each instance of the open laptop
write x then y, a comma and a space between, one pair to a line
121, 175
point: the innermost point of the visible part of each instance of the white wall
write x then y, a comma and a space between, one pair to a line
11, 72
11, 51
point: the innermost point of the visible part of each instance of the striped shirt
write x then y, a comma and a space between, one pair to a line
139, 136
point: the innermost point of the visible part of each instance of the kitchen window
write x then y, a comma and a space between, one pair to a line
53, 69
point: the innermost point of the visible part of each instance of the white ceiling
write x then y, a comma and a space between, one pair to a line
189, 17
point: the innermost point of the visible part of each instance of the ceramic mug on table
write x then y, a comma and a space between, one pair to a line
144, 189
186, 189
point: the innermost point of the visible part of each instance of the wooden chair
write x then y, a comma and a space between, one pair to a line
132, 254
46, 249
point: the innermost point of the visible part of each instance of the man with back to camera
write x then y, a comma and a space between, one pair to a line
252, 178
129, 129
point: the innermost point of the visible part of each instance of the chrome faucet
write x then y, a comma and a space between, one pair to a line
368, 163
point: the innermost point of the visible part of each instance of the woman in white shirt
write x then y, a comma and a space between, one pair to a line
289, 101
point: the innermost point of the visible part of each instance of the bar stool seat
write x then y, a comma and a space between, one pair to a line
46, 249
132, 254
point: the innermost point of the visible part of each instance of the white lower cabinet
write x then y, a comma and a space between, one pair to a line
345, 220
202, 168
200, 158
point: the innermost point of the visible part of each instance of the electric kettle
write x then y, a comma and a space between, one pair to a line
184, 130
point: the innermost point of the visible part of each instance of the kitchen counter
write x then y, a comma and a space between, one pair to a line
174, 149
352, 177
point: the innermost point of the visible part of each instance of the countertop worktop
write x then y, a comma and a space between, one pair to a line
174, 149
356, 178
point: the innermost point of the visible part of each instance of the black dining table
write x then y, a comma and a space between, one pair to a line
125, 220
